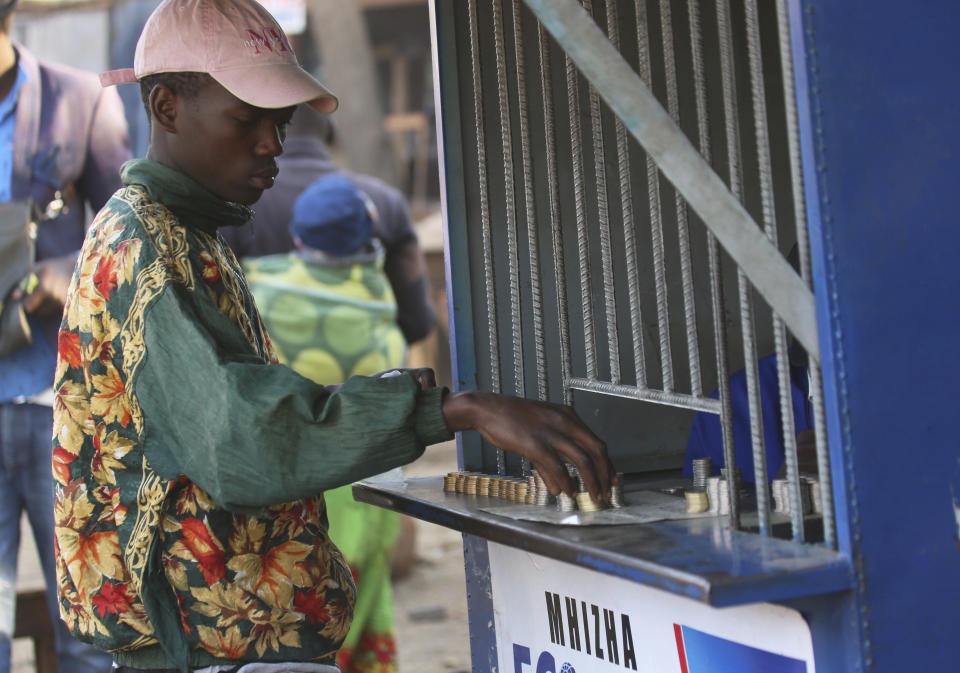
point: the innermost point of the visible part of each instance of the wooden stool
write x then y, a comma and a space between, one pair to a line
33, 621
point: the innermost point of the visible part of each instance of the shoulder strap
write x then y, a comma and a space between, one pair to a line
27, 125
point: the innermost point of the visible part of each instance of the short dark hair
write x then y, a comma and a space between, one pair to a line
185, 84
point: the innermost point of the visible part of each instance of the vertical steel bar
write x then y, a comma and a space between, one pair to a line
603, 220
486, 234
510, 207
683, 228
656, 218
803, 248
530, 215
761, 129
553, 192
629, 232
732, 132
713, 253
579, 195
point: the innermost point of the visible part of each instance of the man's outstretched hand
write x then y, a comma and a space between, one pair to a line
546, 434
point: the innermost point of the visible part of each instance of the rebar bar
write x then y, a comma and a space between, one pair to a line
656, 217
486, 234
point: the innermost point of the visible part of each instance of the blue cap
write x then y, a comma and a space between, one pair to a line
332, 215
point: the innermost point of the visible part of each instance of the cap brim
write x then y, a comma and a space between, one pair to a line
277, 85
113, 77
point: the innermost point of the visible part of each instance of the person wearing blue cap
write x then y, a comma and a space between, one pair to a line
62, 142
306, 158
331, 313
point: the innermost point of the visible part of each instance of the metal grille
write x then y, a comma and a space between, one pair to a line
634, 175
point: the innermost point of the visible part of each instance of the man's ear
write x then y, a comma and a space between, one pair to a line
164, 107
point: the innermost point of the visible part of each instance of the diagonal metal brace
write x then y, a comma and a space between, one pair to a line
633, 102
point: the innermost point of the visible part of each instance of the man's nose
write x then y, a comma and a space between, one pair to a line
270, 140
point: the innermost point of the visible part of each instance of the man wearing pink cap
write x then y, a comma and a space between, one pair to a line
190, 467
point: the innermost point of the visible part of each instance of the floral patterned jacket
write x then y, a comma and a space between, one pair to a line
189, 466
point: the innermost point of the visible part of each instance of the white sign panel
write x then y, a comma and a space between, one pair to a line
554, 617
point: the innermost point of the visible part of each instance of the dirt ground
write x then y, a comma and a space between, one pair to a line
430, 603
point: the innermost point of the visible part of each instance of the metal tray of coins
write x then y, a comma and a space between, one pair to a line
527, 499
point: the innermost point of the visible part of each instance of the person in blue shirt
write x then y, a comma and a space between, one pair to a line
62, 141
706, 439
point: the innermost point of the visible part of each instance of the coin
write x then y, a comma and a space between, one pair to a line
702, 468
587, 504
713, 493
697, 501
565, 503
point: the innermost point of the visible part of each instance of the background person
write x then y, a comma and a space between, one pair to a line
306, 158
706, 436
330, 313
62, 141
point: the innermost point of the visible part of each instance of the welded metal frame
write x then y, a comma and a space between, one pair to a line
840, 111
637, 111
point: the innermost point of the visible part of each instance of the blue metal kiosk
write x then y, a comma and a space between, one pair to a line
570, 127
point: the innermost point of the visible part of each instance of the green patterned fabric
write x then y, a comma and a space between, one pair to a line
189, 464
330, 320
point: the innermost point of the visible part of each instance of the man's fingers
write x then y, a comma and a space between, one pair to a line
595, 464
555, 476
595, 484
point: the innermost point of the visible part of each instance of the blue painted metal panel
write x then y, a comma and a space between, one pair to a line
453, 202
883, 134
483, 632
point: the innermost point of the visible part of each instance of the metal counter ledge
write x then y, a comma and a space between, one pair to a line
698, 558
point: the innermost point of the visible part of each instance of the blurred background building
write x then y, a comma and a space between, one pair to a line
374, 54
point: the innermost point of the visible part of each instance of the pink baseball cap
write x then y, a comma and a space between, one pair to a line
237, 42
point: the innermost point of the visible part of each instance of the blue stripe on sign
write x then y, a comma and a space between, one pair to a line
710, 654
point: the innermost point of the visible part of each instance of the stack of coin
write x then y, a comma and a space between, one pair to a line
502, 487
450, 482
531, 490
541, 495
702, 468
521, 490
473, 483
697, 501
723, 497
616, 491
816, 505
565, 503
713, 493
483, 484
587, 504
461, 477
781, 496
